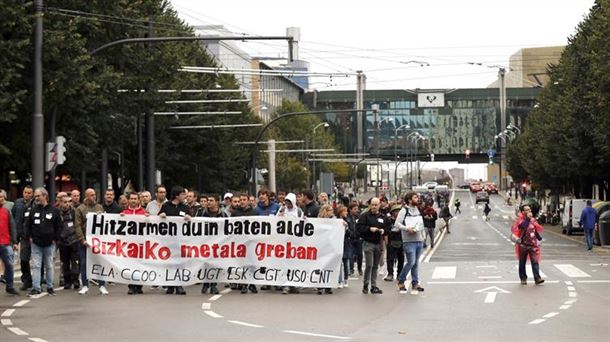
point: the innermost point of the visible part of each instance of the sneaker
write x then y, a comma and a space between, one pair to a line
67, 286
76, 285
539, 281
12, 291
83, 290
131, 291
265, 287
180, 291
346, 284
252, 288
244, 289
286, 290
51, 292
328, 291
320, 291
365, 290
376, 290
103, 290
389, 278
213, 290
341, 285
204, 289
139, 289
523, 282
34, 292
402, 287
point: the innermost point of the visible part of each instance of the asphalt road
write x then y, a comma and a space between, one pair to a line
472, 293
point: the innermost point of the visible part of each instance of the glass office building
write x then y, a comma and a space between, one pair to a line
453, 121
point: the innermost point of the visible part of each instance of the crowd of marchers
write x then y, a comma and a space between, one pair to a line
376, 233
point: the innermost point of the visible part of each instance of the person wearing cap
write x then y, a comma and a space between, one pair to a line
226, 203
430, 217
394, 246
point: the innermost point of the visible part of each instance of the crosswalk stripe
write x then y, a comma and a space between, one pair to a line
444, 272
572, 271
528, 271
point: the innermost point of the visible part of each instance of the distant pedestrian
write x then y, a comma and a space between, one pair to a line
457, 204
352, 219
446, 216
395, 254
430, 217
587, 222
175, 207
526, 234
213, 210
486, 211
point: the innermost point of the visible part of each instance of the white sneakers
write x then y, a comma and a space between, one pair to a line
83, 290
103, 290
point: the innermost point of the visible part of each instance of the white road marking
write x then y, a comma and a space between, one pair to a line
7, 313
505, 217
483, 282
528, 271
490, 277
21, 303
487, 266
571, 271
18, 331
490, 298
537, 321
475, 217
316, 335
37, 339
246, 324
212, 314
444, 272
38, 296
551, 314
572, 294
565, 307
571, 288
568, 282
599, 265
594, 281
570, 302
215, 298
206, 306
225, 291
6, 321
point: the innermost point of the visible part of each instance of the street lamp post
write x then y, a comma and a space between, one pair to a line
375, 108
396, 154
408, 154
313, 146
415, 140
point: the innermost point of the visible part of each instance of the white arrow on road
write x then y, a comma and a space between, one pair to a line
472, 238
491, 291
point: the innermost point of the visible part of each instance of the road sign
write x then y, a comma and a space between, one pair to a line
51, 155
491, 292
491, 153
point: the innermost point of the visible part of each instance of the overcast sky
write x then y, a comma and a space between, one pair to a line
376, 36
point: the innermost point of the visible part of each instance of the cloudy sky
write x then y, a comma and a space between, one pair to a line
384, 38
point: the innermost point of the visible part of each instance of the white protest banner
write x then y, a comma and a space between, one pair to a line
264, 250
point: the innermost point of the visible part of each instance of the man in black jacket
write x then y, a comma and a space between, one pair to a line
311, 208
214, 210
175, 207
372, 226
109, 205
69, 244
21, 211
42, 228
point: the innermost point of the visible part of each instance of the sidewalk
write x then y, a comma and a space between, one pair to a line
557, 230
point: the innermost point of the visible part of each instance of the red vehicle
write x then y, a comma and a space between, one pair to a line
475, 187
490, 188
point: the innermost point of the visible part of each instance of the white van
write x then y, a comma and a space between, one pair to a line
572, 208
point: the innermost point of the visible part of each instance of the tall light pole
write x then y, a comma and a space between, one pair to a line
379, 178
37, 116
313, 146
396, 153
416, 139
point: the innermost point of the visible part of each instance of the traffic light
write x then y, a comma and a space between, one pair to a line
491, 160
61, 149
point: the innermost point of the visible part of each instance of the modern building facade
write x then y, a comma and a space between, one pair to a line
455, 122
529, 67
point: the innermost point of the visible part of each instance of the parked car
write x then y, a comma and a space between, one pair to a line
490, 188
572, 208
430, 185
464, 186
475, 187
482, 196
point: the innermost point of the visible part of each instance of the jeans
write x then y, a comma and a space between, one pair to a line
83, 267
346, 262
70, 255
430, 233
356, 255
42, 255
523, 254
7, 257
413, 250
394, 254
589, 238
372, 254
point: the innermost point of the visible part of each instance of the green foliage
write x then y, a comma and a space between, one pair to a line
565, 142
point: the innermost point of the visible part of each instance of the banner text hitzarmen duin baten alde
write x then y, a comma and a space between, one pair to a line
149, 250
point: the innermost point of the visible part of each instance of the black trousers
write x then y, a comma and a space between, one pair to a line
394, 254
357, 255
70, 256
